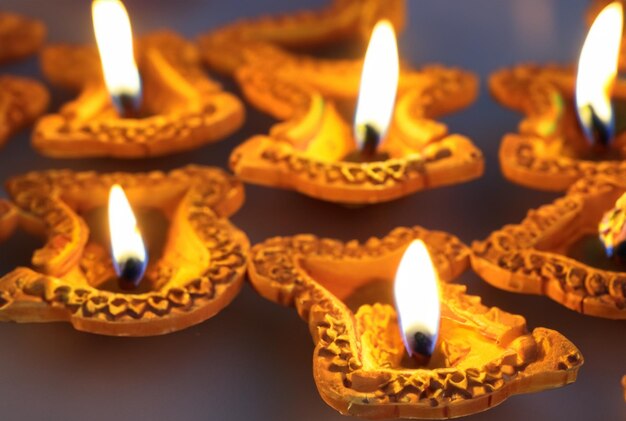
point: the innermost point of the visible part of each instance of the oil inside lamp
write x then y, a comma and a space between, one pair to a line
377, 91
115, 45
597, 70
612, 230
416, 291
127, 247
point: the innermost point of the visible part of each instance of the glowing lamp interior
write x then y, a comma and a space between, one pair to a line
127, 247
416, 292
115, 44
597, 70
379, 83
612, 229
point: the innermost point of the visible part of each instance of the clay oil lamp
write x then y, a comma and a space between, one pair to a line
572, 250
147, 99
575, 121
393, 147
20, 36
228, 48
314, 148
179, 267
431, 352
22, 100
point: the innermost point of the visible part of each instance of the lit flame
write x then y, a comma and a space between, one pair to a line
127, 248
379, 83
416, 291
612, 228
597, 70
115, 44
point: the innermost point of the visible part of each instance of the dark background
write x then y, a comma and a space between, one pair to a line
253, 360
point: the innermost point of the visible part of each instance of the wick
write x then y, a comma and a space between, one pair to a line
598, 132
127, 105
130, 273
371, 137
422, 347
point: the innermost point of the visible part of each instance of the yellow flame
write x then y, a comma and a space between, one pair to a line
115, 44
597, 67
416, 291
379, 82
612, 227
126, 241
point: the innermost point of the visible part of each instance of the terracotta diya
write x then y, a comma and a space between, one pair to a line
229, 48
199, 271
162, 104
394, 149
313, 150
557, 250
19, 36
571, 129
361, 365
22, 100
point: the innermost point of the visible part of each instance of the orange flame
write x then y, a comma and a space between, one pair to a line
127, 247
416, 291
379, 84
612, 227
115, 44
597, 70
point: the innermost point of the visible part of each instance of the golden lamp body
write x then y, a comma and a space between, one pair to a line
200, 271
548, 151
314, 99
22, 100
20, 36
484, 354
183, 109
531, 257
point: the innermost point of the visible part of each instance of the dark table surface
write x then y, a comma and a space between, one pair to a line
253, 360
